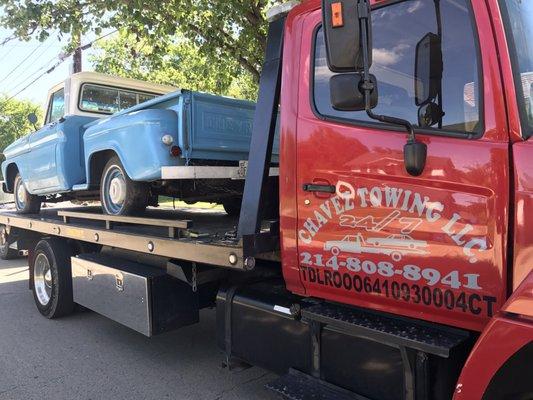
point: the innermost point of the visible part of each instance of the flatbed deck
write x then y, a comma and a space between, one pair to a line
199, 235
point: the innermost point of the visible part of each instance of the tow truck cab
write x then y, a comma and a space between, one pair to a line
470, 204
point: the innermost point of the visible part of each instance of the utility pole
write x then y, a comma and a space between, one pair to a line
77, 56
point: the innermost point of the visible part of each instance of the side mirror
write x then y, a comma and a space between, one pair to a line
342, 32
414, 157
32, 118
428, 68
429, 114
346, 93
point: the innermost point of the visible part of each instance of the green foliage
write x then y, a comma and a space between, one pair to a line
176, 61
233, 30
14, 119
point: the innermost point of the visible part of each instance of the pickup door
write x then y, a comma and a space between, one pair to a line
41, 161
447, 260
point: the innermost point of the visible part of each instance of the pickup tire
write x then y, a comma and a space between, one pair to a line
232, 207
25, 203
119, 194
51, 277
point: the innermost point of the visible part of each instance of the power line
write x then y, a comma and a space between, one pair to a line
22, 62
36, 79
31, 75
9, 50
59, 62
29, 66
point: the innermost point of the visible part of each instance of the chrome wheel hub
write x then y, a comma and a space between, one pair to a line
21, 193
117, 190
43, 279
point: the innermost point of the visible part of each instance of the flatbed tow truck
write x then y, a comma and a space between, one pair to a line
455, 322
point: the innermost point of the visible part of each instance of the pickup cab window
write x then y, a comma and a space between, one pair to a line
56, 108
109, 100
396, 30
520, 31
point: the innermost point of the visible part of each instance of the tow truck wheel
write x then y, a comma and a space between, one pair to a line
6, 253
51, 278
25, 203
335, 251
118, 193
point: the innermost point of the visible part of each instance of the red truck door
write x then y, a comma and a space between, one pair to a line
433, 247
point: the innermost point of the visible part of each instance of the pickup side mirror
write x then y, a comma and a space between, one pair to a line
32, 118
342, 32
428, 69
346, 93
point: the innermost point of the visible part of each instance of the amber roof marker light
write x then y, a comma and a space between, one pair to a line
337, 20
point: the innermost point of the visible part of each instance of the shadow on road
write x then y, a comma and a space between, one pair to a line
86, 356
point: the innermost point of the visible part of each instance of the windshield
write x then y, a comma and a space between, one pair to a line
520, 31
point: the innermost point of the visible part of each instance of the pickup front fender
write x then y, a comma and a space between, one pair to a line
136, 139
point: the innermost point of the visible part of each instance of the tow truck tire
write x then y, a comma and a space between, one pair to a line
51, 278
6, 253
119, 194
25, 203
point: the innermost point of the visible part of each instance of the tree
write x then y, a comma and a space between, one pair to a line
177, 62
222, 30
14, 119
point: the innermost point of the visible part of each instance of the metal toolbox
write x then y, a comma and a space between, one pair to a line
140, 297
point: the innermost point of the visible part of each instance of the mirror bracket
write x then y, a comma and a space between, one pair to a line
414, 152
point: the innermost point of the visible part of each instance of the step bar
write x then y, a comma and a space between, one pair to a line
419, 336
299, 386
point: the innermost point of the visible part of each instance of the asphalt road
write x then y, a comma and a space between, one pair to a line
86, 356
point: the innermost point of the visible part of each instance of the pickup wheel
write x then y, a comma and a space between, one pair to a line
51, 278
232, 207
25, 203
118, 193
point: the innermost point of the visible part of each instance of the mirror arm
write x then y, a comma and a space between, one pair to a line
368, 86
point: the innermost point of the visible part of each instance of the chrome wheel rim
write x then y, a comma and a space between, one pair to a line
114, 190
20, 195
42, 279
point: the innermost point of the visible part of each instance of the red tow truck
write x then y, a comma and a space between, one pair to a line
400, 120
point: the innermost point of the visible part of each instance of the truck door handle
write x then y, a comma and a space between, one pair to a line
311, 187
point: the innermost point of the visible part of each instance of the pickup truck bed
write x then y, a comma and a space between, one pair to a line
209, 127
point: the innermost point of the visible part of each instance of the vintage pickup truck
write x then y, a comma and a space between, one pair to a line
127, 142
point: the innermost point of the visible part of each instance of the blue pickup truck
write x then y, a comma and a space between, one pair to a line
126, 143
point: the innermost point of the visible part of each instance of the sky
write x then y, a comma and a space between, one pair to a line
15, 73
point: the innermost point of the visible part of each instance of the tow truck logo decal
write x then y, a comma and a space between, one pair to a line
348, 198
345, 262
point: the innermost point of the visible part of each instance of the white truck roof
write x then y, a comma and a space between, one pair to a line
75, 81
